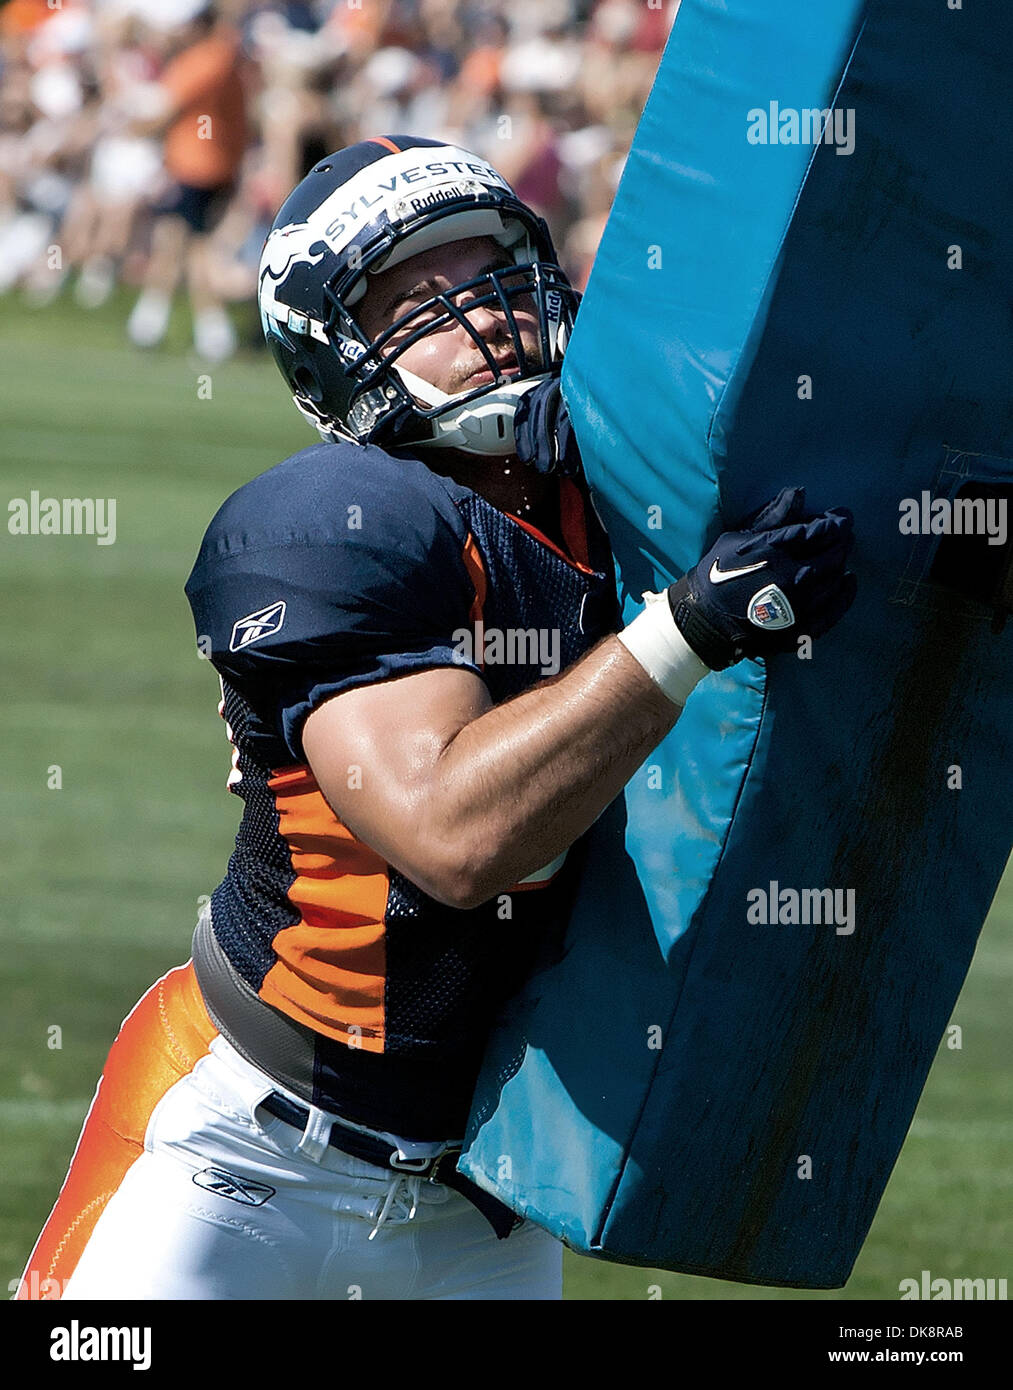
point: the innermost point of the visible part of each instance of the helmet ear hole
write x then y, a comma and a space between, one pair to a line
306, 383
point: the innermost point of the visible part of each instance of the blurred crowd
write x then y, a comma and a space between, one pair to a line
149, 143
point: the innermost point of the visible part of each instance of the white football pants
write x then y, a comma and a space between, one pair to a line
220, 1203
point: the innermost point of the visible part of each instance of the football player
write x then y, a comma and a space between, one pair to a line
430, 701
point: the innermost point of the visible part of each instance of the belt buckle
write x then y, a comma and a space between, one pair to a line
423, 1167
411, 1165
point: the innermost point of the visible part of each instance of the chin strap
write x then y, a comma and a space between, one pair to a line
484, 425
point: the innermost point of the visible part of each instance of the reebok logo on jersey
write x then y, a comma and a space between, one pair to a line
256, 626
242, 1190
720, 576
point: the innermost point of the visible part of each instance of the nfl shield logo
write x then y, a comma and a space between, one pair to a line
769, 609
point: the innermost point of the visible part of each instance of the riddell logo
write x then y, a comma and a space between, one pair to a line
441, 194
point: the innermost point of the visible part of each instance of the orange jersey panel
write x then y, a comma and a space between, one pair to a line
331, 967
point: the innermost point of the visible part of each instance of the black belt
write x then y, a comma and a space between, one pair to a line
441, 1168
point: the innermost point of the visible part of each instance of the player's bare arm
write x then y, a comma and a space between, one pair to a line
467, 798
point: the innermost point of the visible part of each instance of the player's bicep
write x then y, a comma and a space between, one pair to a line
374, 751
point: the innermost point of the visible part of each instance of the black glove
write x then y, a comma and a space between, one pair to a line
544, 437
758, 589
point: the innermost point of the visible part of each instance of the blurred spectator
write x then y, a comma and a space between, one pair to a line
124, 171
150, 142
203, 119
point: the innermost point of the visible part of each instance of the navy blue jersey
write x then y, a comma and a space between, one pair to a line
343, 566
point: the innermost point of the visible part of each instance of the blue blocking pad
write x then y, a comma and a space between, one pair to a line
716, 1071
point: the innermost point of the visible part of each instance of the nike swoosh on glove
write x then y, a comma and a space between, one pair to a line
780, 576
544, 438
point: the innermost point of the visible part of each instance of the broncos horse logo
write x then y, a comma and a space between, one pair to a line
289, 246
297, 245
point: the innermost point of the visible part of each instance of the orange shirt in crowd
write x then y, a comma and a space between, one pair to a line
22, 16
481, 69
206, 139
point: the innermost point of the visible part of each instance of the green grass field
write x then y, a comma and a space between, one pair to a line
100, 678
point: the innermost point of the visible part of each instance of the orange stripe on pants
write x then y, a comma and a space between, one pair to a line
159, 1042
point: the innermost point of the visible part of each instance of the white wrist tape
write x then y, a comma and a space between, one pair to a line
655, 641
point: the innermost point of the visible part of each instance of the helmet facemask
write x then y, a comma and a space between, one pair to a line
476, 421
